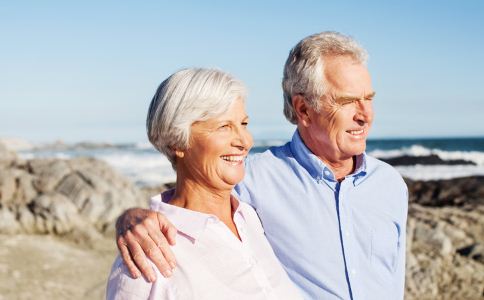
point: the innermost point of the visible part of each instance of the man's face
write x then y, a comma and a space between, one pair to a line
339, 130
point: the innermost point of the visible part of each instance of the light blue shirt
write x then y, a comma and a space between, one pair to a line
336, 240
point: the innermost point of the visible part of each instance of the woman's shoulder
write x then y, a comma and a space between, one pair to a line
251, 217
122, 286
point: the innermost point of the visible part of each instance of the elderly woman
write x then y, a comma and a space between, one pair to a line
197, 119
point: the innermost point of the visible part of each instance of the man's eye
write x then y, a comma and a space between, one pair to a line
224, 127
245, 124
346, 102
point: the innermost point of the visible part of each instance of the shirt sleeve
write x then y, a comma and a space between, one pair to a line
400, 275
121, 286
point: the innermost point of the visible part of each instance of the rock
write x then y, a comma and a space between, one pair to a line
26, 219
467, 192
8, 223
6, 155
7, 186
80, 197
76, 188
25, 187
444, 252
50, 172
474, 251
57, 212
432, 159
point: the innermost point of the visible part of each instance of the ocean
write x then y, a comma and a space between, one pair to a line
418, 159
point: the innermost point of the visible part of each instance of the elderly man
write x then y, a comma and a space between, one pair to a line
334, 216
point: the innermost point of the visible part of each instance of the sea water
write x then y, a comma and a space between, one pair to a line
145, 166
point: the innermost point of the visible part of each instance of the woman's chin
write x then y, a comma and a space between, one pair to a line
233, 179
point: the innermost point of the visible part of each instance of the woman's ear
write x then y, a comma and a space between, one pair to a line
179, 153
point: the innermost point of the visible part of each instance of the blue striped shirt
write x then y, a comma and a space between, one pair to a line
336, 240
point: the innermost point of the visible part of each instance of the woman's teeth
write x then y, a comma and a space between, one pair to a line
233, 158
356, 132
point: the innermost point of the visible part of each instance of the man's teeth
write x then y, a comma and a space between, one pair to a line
356, 132
233, 158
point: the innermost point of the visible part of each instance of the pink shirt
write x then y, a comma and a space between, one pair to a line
211, 262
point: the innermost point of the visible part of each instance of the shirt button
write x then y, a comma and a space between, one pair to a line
353, 272
347, 233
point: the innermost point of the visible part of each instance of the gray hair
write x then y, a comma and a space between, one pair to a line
304, 68
188, 96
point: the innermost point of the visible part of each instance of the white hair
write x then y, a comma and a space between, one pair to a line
304, 68
188, 96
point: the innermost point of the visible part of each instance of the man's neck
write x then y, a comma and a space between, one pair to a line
340, 166
341, 169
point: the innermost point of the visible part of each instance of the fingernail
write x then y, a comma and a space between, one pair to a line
152, 278
172, 265
167, 273
136, 275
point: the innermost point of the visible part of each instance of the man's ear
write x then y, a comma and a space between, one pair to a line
302, 110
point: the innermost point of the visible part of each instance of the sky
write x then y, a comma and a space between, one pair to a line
87, 70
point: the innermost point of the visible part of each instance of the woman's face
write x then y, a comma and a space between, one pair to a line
218, 146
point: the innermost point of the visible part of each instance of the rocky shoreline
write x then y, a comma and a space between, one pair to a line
57, 226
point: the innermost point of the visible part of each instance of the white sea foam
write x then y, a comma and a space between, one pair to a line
418, 150
144, 145
143, 169
436, 172
151, 168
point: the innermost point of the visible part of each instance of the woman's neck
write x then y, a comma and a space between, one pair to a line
194, 196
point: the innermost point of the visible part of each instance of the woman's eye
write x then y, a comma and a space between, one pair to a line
224, 127
245, 124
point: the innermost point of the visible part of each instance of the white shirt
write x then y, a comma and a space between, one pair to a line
211, 262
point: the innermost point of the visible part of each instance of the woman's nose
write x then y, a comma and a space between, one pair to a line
243, 139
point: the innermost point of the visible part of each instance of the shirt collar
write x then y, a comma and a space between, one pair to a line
315, 166
189, 222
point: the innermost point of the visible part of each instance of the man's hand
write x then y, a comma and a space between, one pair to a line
142, 233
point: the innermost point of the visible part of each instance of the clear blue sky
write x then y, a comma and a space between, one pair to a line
87, 70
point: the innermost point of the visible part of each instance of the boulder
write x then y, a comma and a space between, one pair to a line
54, 196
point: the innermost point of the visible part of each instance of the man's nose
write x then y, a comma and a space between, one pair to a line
364, 111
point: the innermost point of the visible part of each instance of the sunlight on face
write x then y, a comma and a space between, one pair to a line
218, 148
339, 131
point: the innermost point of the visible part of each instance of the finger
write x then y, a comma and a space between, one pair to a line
149, 242
167, 228
128, 261
162, 255
139, 257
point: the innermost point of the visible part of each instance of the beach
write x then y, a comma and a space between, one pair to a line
59, 203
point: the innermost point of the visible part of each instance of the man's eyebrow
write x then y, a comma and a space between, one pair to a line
353, 98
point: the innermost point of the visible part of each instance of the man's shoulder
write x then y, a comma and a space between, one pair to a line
274, 160
376, 166
383, 172
267, 169
274, 153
